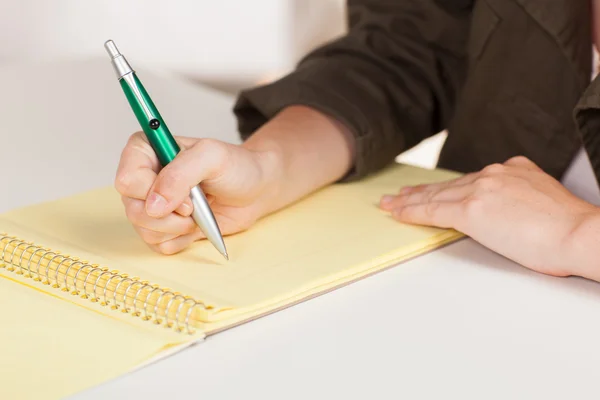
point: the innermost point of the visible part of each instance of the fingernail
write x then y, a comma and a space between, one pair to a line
186, 209
387, 199
386, 202
406, 189
156, 205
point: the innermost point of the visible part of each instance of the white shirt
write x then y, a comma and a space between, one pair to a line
579, 178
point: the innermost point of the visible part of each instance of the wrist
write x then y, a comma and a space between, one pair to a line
270, 160
584, 241
300, 150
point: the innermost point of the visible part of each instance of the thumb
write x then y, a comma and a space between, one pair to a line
205, 160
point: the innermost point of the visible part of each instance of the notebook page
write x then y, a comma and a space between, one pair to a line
330, 237
51, 347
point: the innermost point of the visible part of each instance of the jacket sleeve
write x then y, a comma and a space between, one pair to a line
392, 79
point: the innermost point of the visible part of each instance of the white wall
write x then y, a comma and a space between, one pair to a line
227, 43
236, 40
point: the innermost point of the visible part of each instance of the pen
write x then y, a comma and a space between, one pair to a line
162, 141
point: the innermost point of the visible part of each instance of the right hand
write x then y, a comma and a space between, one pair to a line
234, 179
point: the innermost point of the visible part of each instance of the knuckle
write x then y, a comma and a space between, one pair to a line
134, 141
431, 209
473, 206
410, 213
156, 248
216, 149
168, 248
432, 196
183, 227
135, 138
152, 237
171, 178
210, 143
138, 143
401, 214
400, 201
493, 169
135, 211
122, 182
519, 160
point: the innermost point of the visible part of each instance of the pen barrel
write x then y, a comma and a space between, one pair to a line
158, 134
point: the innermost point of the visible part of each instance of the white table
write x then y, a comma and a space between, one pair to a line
460, 322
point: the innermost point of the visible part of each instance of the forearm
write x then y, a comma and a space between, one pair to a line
303, 150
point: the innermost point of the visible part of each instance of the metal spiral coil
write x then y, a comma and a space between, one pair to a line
99, 285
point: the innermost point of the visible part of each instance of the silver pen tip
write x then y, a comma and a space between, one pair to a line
220, 246
111, 48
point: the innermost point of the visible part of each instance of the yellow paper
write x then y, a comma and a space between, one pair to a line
51, 347
333, 237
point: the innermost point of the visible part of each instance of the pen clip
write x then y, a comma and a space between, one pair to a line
125, 72
129, 78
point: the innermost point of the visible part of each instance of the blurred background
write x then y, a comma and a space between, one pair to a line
226, 44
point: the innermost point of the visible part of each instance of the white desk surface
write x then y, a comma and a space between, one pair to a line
459, 323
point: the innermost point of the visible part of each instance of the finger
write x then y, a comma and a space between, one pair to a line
135, 183
522, 162
210, 199
178, 244
462, 180
154, 237
186, 208
172, 223
139, 187
138, 168
443, 194
205, 160
441, 215
186, 142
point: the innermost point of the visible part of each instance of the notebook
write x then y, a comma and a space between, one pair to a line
85, 300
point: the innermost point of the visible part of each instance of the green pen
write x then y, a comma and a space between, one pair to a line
162, 141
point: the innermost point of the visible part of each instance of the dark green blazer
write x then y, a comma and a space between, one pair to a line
503, 77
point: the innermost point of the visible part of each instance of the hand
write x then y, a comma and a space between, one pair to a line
293, 154
514, 208
234, 179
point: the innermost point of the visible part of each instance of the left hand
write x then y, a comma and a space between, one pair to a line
514, 209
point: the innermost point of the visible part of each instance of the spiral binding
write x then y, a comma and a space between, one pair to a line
109, 288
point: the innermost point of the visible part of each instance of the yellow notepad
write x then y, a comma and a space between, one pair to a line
90, 301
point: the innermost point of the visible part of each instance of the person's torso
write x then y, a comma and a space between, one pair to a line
528, 67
